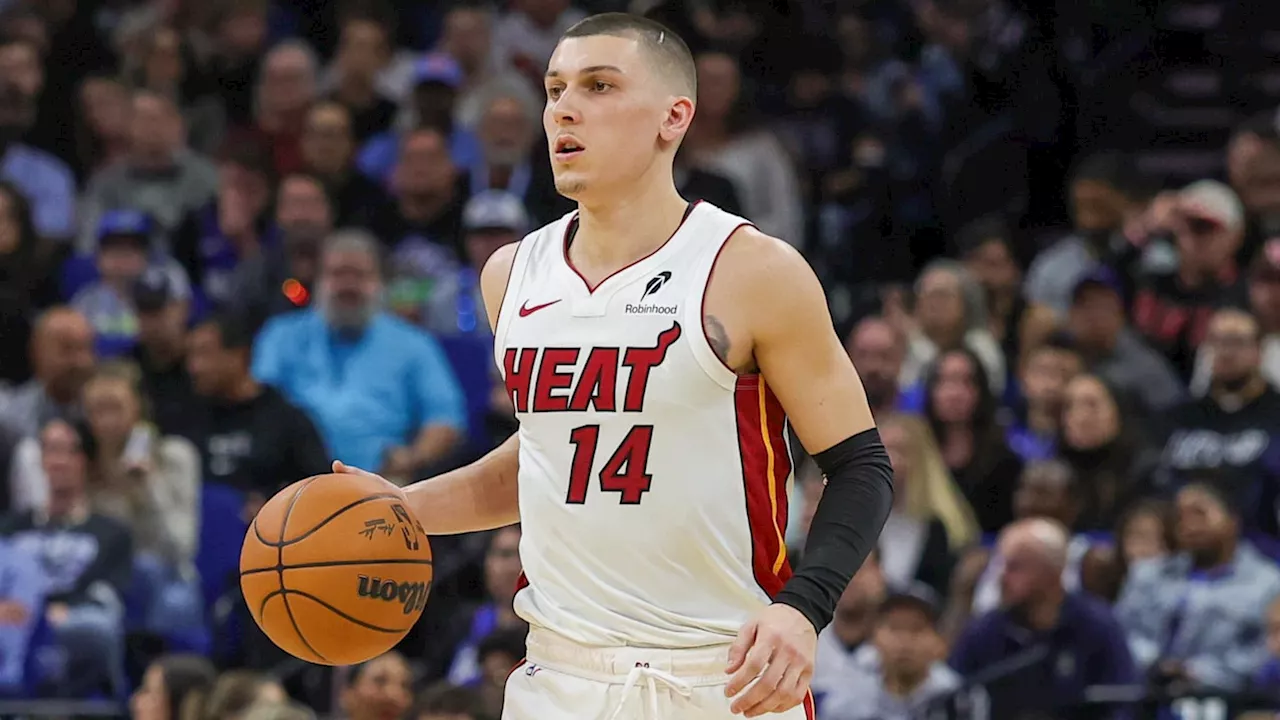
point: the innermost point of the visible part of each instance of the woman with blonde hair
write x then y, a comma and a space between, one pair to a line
931, 521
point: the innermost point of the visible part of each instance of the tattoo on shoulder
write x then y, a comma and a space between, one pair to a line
717, 336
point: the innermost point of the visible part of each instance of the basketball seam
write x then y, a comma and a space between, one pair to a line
285, 543
333, 563
286, 592
284, 595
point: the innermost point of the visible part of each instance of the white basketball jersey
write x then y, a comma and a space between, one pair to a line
653, 479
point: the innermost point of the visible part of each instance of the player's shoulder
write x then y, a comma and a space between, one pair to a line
754, 258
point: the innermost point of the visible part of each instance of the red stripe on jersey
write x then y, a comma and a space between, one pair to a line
810, 712
522, 582
766, 464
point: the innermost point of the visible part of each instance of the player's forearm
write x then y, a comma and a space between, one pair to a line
479, 496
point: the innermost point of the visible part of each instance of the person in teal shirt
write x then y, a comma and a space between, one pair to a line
381, 391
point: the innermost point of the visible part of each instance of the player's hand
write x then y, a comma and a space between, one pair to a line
777, 646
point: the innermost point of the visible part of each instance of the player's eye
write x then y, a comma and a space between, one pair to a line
600, 86
554, 91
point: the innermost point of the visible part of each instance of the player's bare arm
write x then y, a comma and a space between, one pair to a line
482, 495
766, 312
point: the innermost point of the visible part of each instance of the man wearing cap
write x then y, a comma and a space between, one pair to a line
123, 255
1172, 310
1098, 325
900, 676
162, 299
436, 79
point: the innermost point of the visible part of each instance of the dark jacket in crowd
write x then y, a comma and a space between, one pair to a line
85, 561
1028, 671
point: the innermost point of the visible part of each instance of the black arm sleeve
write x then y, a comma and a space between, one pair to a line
846, 526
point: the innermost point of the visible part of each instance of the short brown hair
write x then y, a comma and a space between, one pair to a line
659, 41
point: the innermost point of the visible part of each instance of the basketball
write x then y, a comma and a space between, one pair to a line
335, 569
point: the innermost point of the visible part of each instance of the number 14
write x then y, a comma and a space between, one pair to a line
625, 472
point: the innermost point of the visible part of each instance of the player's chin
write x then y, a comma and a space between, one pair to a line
570, 184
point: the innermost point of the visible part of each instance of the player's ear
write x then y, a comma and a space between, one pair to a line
679, 117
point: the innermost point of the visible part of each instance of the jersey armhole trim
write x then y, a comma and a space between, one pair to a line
506, 287
712, 364
519, 264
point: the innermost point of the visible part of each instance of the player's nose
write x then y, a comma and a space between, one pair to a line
565, 111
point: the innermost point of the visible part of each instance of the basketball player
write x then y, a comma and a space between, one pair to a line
655, 352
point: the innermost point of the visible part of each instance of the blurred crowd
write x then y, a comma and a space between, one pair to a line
240, 238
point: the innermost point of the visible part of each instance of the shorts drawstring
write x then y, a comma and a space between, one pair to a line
651, 676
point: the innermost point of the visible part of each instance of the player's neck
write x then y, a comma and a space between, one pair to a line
617, 233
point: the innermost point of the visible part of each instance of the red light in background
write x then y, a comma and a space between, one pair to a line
295, 292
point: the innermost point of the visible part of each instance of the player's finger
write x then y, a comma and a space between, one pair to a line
754, 664
741, 644
341, 467
789, 693
759, 697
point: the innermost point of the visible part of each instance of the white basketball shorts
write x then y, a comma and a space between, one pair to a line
561, 680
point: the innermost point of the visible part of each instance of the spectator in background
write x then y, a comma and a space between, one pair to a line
1264, 303
235, 227
22, 593
235, 691
61, 358
160, 177
149, 482
304, 217
28, 282
86, 559
507, 131
501, 574
102, 125
378, 689
250, 437
878, 350
424, 290
1105, 449
170, 686
467, 37
163, 305
1171, 311
443, 701
989, 253
1196, 616
525, 37
427, 193
1112, 351
905, 674
950, 312
501, 651
1234, 430
286, 87
1052, 643
1253, 168
328, 152
364, 53
1103, 194
46, 181
722, 141
122, 254
842, 645
931, 521
238, 38
165, 68
1045, 372
403, 410
436, 78
962, 414
695, 184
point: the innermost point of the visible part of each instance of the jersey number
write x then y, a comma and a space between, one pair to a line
626, 472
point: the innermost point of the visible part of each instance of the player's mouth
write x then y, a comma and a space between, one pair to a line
566, 148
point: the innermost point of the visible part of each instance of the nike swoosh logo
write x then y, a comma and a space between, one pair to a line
526, 311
